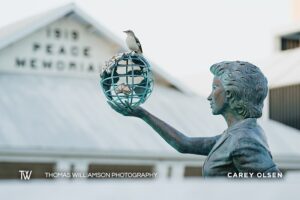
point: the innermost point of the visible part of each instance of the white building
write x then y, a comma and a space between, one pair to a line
283, 72
54, 116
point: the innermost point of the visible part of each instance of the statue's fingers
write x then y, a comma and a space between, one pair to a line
128, 106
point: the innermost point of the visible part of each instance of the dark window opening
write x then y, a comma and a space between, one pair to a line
290, 41
11, 170
107, 171
284, 105
190, 171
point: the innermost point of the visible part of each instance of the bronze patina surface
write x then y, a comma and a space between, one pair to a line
238, 91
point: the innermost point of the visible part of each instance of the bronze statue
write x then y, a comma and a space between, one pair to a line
238, 91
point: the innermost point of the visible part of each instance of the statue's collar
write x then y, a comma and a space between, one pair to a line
248, 122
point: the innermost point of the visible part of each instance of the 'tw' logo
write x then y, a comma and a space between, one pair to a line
25, 174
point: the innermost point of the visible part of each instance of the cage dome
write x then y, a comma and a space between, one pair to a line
126, 79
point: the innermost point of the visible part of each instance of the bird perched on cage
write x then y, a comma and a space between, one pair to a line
133, 42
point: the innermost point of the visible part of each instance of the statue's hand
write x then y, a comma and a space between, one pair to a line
127, 111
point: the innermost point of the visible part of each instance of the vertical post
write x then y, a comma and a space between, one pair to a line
80, 167
177, 171
62, 167
161, 169
266, 109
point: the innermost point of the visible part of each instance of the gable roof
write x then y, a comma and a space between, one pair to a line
53, 116
14, 32
282, 68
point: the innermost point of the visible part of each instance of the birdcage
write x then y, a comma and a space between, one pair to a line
127, 80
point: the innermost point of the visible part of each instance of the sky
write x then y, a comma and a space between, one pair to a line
184, 37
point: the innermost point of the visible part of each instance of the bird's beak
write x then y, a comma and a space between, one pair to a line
125, 31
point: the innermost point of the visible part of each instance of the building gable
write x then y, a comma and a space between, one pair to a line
66, 46
43, 26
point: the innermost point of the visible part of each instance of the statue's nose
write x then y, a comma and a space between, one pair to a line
209, 98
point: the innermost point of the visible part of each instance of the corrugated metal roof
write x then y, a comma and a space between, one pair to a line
63, 113
282, 68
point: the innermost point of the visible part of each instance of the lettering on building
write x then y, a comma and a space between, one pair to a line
61, 50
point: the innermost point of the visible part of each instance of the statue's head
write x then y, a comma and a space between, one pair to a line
239, 87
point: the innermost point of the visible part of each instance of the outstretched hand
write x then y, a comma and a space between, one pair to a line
127, 110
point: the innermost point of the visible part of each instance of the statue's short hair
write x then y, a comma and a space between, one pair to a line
246, 83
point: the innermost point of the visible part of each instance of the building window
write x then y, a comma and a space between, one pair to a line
11, 170
191, 171
290, 41
284, 105
106, 171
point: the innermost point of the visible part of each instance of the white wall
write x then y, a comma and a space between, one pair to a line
69, 46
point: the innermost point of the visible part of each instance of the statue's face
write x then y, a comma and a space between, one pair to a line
217, 97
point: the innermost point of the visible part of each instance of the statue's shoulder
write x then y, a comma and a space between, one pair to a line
251, 136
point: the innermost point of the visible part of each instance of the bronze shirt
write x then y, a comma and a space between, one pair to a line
241, 148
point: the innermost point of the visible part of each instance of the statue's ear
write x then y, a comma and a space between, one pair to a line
228, 94
229, 97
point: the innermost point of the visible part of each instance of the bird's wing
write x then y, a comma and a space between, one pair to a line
139, 44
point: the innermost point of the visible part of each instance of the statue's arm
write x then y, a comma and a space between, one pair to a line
179, 141
202, 145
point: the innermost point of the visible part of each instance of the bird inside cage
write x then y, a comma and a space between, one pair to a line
123, 88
